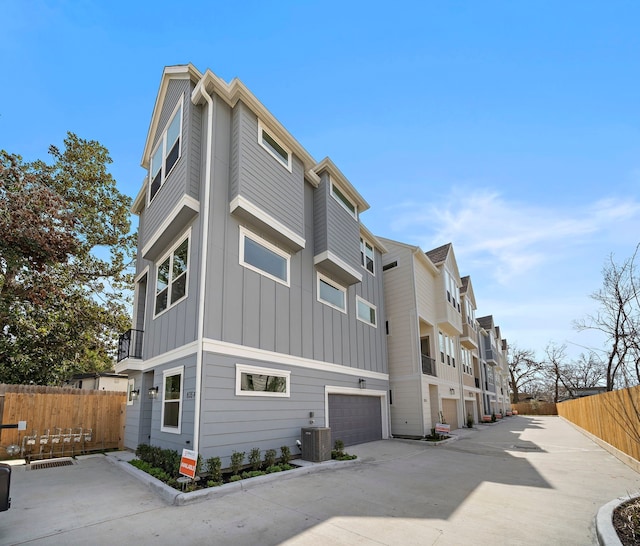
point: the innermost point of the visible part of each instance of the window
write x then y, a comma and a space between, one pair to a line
344, 201
254, 381
390, 266
443, 348
172, 400
332, 294
167, 153
130, 388
366, 311
465, 358
171, 277
263, 257
366, 255
453, 291
275, 148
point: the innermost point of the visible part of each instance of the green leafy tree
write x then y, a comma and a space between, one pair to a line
64, 257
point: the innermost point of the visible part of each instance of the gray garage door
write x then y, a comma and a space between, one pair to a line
354, 419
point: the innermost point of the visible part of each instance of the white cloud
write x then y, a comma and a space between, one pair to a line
513, 237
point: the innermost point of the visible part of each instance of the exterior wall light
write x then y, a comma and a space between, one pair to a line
363, 383
153, 393
134, 394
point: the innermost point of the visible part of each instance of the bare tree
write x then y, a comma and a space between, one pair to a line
618, 318
524, 369
555, 366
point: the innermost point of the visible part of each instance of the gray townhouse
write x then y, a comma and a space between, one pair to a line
259, 304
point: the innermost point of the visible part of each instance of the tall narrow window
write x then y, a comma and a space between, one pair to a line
167, 152
172, 385
366, 255
171, 277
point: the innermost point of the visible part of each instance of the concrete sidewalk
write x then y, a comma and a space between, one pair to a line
525, 480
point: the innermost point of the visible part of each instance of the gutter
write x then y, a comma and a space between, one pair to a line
203, 264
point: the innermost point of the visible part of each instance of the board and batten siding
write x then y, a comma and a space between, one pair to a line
184, 178
177, 326
335, 230
260, 178
400, 306
240, 423
169, 440
246, 308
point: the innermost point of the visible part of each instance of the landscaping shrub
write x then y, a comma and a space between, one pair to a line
254, 459
214, 468
285, 454
237, 458
269, 457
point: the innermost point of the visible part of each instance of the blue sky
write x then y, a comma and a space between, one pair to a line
511, 129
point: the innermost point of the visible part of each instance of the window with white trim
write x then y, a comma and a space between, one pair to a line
257, 381
344, 201
453, 291
275, 148
331, 293
172, 386
167, 152
171, 277
367, 255
366, 312
467, 361
263, 257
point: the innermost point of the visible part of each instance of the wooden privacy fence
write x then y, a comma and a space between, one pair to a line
60, 410
613, 417
535, 408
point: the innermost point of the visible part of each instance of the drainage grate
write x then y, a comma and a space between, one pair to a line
50, 463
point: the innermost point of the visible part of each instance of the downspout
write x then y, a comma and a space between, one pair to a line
203, 266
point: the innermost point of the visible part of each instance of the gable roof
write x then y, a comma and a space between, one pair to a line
486, 322
439, 255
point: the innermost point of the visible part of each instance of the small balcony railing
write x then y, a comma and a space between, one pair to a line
428, 365
130, 344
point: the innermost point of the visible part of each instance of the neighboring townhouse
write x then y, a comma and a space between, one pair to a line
494, 367
433, 355
258, 291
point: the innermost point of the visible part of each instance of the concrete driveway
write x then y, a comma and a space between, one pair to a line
525, 480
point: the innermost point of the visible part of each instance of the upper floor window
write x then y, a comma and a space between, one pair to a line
344, 201
274, 147
332, 294
167, 153
366, 311
263, 257
453, 291
366, 255
255, 381
171, 277
172, 381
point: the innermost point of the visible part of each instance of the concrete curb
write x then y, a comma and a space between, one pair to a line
176, 498
607, 535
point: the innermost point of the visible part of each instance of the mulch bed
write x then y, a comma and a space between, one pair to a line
626, 522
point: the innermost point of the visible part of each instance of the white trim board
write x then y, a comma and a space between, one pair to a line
241, 351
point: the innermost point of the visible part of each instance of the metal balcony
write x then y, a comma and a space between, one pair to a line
130, 344
428, 365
